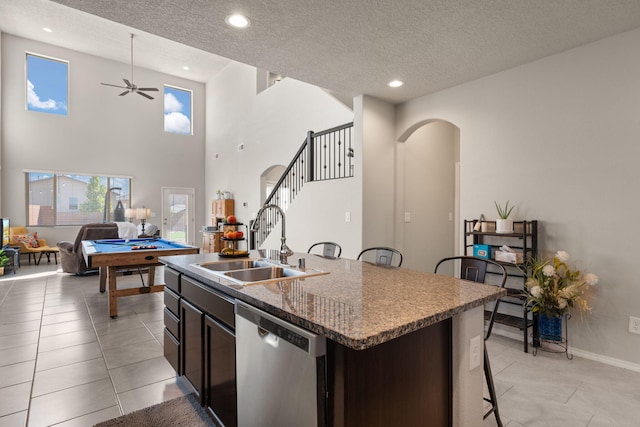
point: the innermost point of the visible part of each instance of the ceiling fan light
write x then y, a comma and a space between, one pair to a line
237, 20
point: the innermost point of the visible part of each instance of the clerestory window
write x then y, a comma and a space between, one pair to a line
177, 110
47, 85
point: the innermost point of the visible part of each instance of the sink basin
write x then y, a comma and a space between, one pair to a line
248, 271
262, 273
233, 265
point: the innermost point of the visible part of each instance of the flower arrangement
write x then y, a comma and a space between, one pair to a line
552, 288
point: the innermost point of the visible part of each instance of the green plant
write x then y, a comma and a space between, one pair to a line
504, 213
4, 259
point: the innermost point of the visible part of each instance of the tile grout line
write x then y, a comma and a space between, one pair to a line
35, 365
104, 359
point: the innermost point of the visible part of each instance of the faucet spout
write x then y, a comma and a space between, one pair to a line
284, 249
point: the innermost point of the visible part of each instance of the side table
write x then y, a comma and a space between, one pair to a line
14, 257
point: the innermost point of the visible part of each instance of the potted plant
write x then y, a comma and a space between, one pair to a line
4, 260
552, 289
504, 224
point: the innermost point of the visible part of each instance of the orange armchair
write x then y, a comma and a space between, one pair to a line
28, 249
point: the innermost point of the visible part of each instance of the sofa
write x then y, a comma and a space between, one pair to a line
71, 256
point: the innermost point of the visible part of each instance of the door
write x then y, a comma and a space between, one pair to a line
220, 372
191, 348
178, 214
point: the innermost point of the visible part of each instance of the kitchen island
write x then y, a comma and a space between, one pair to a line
397, 339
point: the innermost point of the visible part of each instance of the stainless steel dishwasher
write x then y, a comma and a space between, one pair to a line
281, 379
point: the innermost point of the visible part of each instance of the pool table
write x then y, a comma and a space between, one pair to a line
110, 254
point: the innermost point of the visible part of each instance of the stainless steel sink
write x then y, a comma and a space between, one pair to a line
248, 271
233, 265
263, 273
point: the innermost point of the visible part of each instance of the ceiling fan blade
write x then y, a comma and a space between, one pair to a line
155, 89
128, 83
144, 94
109, 84
125, 92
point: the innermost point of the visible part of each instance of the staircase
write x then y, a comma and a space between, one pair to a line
322, 156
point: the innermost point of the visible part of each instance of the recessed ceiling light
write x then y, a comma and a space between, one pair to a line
47, 29
186, 68
395, 83
237, 21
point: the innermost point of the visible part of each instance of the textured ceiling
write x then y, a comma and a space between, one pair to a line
346, 46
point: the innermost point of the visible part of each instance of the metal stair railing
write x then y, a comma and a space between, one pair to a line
322, 156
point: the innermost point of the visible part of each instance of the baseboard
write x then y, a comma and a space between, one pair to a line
605, 359
635, 367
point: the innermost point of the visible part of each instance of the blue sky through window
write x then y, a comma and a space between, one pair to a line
47, 85
177, 110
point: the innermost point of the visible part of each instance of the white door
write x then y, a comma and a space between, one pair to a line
178, 214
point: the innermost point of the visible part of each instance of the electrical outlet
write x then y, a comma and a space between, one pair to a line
634, 325
407, 217
475, 348
347, 217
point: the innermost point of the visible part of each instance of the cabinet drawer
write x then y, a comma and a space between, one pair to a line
171, 322
172, 351
172, 301
209, 300
172, 279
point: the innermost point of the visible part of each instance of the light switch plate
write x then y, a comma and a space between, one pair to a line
475, 350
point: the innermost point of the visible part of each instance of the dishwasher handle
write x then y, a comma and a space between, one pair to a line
314, 345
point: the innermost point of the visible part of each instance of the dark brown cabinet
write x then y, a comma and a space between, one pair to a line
200, 343
191, 342
220, 372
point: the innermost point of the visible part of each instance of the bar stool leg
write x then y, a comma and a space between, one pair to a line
493, 399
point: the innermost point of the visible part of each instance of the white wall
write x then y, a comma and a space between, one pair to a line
103, 134
426, 173
376, 119
272, 125
559, 137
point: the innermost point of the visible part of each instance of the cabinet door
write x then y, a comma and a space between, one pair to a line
191, 346
223, 208
220, 372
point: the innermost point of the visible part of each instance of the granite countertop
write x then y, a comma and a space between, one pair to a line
357, 304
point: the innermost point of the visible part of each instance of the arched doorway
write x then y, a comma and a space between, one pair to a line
268, 180
429, 177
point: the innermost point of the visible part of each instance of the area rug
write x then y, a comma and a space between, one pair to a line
182, 411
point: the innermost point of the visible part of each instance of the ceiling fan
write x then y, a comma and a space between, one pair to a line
130, 86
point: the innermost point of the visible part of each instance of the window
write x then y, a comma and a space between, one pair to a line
73, 203
47, 87
177, 110
77, 199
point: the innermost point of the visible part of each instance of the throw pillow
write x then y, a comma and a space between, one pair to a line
29, 239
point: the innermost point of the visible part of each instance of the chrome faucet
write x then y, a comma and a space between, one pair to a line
284, 249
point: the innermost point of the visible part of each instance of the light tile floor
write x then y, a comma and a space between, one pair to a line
65, 362
549, 390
